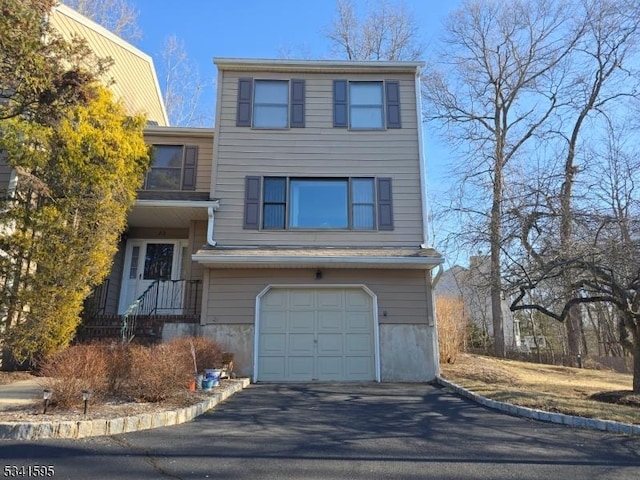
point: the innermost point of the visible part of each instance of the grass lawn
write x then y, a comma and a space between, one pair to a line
547, 387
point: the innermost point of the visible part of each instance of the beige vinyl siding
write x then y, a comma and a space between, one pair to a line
319, 149
402, 294
197, 238
205, 153
133, 73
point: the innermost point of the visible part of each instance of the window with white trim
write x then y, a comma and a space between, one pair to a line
279, 203
366, 108
271, 104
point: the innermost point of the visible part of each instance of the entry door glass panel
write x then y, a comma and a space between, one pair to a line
158, 262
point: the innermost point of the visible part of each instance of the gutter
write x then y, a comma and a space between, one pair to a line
273, 260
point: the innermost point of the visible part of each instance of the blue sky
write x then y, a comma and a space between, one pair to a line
257, 28
263, 29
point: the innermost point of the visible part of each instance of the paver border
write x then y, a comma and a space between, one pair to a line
543, 416
115, 426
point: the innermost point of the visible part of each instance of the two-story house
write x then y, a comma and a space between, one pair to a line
317, 267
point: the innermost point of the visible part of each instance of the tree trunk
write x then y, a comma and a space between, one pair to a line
636, 368
574, 336
495, 235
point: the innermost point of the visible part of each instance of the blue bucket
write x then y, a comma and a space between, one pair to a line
213, 375
207, 383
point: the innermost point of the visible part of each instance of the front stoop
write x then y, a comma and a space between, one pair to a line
115, 426
540, 415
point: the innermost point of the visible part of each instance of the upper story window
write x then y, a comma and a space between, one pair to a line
271, 104
366, 105
366, 108
266, 103
173, 167
356, 203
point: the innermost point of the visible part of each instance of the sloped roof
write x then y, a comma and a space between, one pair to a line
134, 76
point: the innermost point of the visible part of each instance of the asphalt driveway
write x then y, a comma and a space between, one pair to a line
331, 431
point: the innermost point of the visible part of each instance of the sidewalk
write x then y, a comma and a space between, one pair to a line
22, 392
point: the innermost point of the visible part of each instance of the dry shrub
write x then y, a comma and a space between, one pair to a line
208, 352
118, 372
152, 374
452, 327
73, 370
159, 372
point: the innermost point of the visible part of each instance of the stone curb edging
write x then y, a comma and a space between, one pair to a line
115, 426
541, 415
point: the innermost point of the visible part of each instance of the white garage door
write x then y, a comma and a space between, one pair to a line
308, 334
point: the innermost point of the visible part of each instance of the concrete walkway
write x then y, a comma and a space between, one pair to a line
22, 392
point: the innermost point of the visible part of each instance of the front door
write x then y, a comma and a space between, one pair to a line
147, 261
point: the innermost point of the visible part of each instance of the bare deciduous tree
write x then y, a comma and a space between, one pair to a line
388, 31
493, 87
182, 86
118, 16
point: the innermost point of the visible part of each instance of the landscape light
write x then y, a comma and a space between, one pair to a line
46, 396
85, 398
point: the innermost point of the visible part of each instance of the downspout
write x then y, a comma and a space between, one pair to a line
210, 225
433, 320
433, 282
422, 164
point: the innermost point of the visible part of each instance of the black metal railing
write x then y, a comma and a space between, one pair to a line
96, 302
162, 297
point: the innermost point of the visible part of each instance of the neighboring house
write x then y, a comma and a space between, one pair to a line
132, 78
472, 286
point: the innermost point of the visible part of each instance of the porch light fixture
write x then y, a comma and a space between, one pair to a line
85, 398
46, 396
318, 274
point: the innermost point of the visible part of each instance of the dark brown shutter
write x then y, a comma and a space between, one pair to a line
190, 168
393, 103
251, 203
297, 103
245, 100
385, 204
340, 105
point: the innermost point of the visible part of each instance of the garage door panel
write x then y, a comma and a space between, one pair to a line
302, 321
273, 344
357, 300
301, 299
300, 369
358, 322
330, 321
330, 344
274, 321
272, 368
330, 299
330, 368
357, 344
301, 344
358, 368
277, 299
